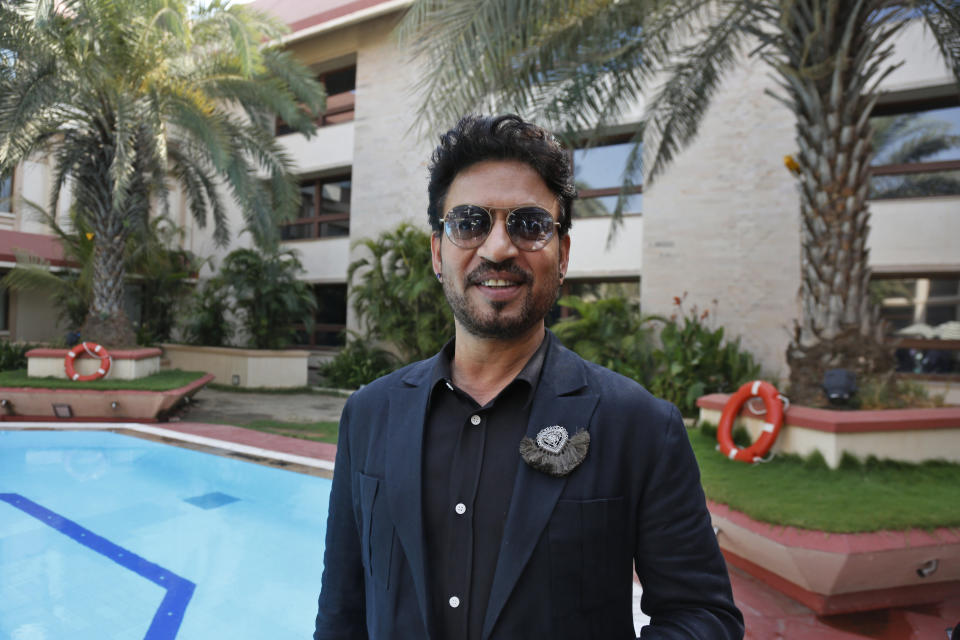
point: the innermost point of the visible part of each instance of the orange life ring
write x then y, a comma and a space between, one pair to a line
771, 427
94, 351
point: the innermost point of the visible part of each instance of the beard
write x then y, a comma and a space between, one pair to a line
490, 319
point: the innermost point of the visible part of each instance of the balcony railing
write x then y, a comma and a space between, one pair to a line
339, 109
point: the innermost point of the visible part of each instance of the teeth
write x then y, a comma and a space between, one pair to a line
496, 283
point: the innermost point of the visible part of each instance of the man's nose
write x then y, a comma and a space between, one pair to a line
498, 246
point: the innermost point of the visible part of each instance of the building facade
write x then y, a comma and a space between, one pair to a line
720, 227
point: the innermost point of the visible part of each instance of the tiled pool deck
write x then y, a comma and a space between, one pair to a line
769, 615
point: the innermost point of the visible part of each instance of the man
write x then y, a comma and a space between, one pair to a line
506, 488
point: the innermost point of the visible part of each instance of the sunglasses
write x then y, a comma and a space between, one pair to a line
530, 228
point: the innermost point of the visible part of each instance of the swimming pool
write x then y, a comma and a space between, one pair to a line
107, 536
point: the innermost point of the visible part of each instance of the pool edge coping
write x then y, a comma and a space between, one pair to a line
206, 441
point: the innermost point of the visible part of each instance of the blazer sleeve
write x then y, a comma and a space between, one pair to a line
341, 606
686, 587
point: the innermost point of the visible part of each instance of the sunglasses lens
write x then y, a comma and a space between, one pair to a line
467, 225
530, 228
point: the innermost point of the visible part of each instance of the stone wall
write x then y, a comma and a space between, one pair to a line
723, 222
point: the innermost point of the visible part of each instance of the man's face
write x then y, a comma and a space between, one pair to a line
497, 290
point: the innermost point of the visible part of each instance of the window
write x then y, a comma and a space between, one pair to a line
595, 289
930, 301
627, 288
598, 173
917, 151
6, 192
324, 210
330, 318
928, 309
341, 87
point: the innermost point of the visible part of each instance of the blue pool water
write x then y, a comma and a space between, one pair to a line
108, 536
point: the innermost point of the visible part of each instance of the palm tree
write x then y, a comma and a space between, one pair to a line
579, 63
159, 267
268, 295
396, 295
131, 98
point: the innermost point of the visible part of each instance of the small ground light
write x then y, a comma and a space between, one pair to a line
235, 380
927, 568
840, 385
114, 404
62, 410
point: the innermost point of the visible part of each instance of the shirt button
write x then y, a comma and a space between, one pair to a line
454, 602
474, 420
460, 508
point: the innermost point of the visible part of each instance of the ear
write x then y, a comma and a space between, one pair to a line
435, 239
564, 254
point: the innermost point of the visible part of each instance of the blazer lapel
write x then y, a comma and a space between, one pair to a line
534, 493
407, 410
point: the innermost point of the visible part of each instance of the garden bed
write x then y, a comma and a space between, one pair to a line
147, 399
267, 368
127, 364
160, 381
909, 435
837, 540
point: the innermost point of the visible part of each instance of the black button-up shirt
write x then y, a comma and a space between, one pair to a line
470, 461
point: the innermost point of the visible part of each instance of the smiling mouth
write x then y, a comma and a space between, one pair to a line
498, 283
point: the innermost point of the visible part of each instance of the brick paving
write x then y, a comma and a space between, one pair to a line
259, 439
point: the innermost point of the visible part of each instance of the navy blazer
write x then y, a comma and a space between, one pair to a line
569, 545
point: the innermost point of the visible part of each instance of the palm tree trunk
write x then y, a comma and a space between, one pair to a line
107, 322
831, 86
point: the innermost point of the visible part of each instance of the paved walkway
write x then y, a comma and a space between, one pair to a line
209, 405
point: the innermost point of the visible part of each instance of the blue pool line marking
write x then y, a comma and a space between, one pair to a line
167, 619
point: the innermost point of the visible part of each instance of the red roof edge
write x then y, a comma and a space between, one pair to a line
333, 14
37, 244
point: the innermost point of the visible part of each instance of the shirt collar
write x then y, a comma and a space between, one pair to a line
530, 373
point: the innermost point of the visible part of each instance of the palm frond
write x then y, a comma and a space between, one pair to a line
942, 17
30, 273
673, 116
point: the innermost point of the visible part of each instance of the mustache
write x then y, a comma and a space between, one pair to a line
506, 266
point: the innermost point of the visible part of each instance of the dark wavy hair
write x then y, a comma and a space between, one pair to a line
508, 137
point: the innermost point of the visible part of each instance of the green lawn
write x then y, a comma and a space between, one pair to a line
162, 381
278, 390
857, 497
791, 491
319, 431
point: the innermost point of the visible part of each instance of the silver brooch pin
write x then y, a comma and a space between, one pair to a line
555, 452
552, 438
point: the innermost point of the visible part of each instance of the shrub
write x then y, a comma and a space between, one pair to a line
206, 323
358, 363
889, 392
694, 360
397, 296
609, 332
268, 297
13, 355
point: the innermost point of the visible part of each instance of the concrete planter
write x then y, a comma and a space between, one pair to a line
908, 435
840, 572
85, 405
250, 368
128, 364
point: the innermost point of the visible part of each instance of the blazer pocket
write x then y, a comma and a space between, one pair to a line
587, 546
376, 530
